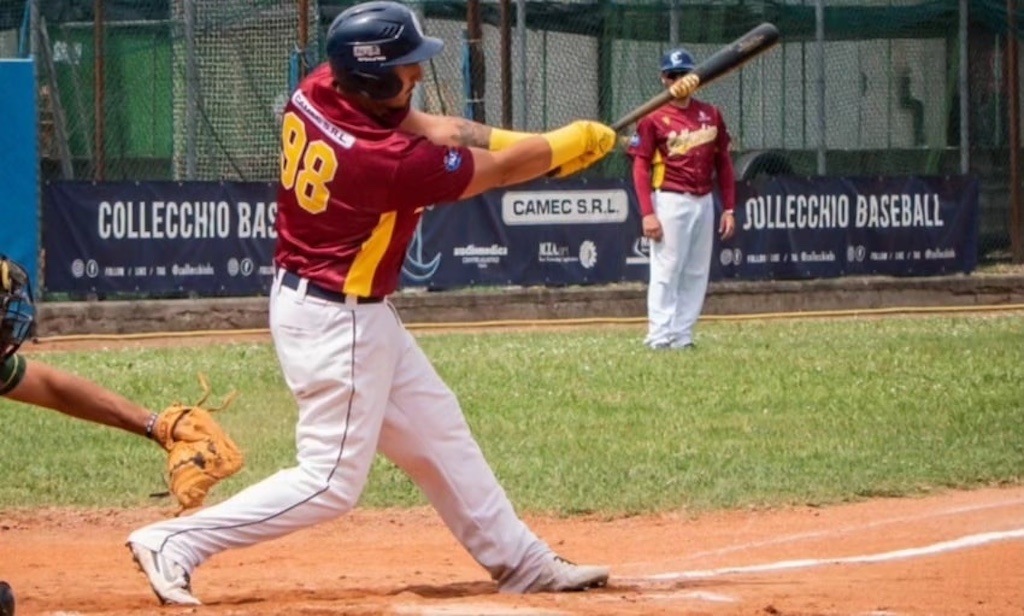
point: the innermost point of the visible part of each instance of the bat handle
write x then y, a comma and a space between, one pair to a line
683, 87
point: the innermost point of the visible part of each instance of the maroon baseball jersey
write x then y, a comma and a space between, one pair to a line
684, 145
353, 188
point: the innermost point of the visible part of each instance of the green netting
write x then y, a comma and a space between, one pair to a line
230, 81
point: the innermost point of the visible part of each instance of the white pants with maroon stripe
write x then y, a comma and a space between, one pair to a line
363, 386
680, 266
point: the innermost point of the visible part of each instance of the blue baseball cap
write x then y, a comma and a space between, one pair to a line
677, 61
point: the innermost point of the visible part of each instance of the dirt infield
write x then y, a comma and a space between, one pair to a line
954, 553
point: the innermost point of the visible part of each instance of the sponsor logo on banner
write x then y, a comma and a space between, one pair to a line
641, 254
88, 268
564, 207
731, 256
417, 267
588, 254
948, 253
242, 267
553, 252
482, 256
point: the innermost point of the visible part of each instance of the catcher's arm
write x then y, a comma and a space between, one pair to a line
45, 386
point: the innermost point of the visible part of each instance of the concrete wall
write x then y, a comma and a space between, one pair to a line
724, 298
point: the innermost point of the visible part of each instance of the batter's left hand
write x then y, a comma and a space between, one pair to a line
728, 225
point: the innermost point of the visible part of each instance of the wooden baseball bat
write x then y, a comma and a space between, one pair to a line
725, 60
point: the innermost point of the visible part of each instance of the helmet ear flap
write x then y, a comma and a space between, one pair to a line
375, 86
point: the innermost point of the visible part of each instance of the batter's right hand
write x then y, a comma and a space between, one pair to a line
652, 227
595, 139
576, 165
602, 138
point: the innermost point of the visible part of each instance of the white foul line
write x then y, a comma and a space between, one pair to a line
936, 548
837, 531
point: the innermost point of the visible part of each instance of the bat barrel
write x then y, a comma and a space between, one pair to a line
759, 39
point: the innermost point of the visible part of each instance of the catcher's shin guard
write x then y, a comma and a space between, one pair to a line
6, 599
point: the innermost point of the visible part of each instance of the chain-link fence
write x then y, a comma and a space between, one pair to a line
191, 89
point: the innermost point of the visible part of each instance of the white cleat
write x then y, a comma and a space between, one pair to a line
560, 575
170, 582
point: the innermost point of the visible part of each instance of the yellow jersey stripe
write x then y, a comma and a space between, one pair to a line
359, 280
657, 171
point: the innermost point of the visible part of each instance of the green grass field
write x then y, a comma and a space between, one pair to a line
763, 413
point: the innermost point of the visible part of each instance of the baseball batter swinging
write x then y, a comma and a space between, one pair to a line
678, 152
358, 167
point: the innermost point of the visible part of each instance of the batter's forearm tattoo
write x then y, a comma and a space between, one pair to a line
472, 134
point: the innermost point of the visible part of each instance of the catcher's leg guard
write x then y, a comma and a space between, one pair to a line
6, 599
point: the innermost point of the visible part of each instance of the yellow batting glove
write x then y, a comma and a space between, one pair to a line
579, 138
501, 138
576, 165
591, 140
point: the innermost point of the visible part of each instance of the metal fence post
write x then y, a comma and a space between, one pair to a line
1013, 111
191, 90
523, 115
505, 46
673, 23
819, 30
962, 78
99, 92
33, 29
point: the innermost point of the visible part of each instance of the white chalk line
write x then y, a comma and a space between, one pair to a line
968, 541
475, 609
696, 595
832, 532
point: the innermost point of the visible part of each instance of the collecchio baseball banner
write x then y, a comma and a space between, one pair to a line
212, 238
793, 228
543, 233
159, 238
568, 233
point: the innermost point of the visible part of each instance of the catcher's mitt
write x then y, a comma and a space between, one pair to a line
199, 452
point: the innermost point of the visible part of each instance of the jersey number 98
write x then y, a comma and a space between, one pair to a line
306, 167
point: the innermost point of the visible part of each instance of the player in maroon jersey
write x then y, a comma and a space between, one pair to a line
679, 152
358, 166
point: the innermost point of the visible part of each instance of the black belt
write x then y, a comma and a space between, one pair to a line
291, 281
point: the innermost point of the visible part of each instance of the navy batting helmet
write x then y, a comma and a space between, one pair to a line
366, 42
677, 62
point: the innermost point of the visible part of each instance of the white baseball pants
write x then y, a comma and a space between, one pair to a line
363, 385
680, 266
